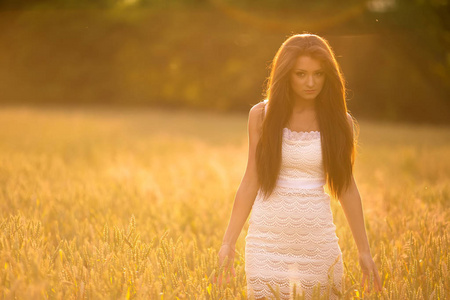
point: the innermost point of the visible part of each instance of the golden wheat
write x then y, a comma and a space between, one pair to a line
107, 204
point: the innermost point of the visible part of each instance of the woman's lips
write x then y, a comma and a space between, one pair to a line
309, 91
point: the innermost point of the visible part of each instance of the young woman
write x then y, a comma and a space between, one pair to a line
300, 139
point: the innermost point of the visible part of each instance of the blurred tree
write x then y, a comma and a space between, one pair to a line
215, 53
421, 30
56, 4
418, 31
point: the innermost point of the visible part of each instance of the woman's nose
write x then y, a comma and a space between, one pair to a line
310, 81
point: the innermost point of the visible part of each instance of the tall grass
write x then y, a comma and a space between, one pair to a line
107, 204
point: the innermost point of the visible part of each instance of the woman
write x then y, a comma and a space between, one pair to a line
300, 139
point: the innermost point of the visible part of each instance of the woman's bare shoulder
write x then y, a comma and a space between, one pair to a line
350, 119
256, 115
352, 123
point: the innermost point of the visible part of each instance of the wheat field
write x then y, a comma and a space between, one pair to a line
103, 203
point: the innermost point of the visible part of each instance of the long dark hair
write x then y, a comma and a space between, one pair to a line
336, 134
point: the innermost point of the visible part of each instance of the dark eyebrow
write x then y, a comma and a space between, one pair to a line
319, 70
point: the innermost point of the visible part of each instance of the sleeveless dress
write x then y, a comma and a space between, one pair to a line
291, 238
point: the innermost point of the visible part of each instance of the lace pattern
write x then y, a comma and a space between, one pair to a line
301, 135
291, 238
301, 155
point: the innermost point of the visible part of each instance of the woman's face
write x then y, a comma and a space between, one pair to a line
307, 78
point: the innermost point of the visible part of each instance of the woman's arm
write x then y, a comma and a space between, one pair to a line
350, 200
351, 203
245, 195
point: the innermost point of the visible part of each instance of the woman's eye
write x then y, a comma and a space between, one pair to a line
319, 74
300, 74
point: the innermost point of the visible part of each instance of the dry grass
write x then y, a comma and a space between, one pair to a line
99, 203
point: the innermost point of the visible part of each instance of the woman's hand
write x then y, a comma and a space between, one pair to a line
368, 266
226, 261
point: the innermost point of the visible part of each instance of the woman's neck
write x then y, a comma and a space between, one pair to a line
301, 106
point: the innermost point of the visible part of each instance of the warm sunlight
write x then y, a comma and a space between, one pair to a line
224, 149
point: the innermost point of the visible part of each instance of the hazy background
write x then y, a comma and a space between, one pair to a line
123, 141
215, 54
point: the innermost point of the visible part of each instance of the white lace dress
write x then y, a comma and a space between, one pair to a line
291, 238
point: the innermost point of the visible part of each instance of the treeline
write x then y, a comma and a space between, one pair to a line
215, 54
